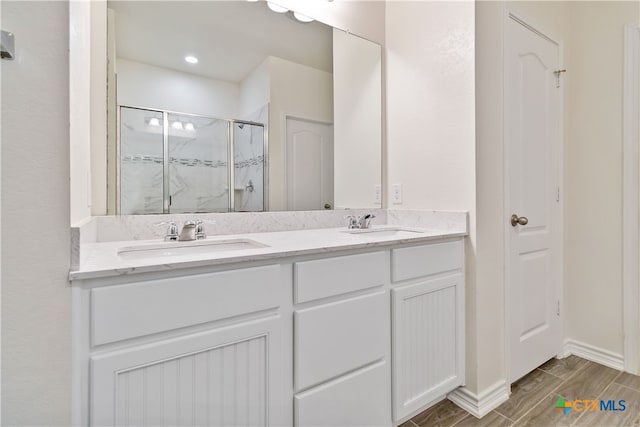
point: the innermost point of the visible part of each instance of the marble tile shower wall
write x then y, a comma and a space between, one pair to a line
198, 166
249, 167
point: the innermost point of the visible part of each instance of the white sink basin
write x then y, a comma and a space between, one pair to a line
186, 248
384, 232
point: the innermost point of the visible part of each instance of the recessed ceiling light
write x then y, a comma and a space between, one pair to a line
154, 121
302, 18
277, 8
189, 126
191, 59
177, 125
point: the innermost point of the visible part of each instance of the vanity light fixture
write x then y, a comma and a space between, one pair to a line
189, 126
302, 18
191, 59
154, 121
277, 8
177, 125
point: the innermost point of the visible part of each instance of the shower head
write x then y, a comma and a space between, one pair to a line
241, 125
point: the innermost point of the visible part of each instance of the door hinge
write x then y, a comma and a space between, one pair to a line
558, 309
558, 194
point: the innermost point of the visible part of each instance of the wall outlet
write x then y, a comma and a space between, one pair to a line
396, 194
377, 189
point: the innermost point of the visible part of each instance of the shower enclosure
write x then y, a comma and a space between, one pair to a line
179, 163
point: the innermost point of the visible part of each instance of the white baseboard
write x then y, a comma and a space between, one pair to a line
594, 354
480, 404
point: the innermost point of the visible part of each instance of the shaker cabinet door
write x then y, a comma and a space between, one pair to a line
428, 342
231, 376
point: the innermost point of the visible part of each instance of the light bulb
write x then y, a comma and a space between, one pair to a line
189, 126
191, 59
277, 8
177, 125
153, 121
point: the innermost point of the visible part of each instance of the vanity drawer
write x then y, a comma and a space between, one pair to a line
335, 276
355, 400
332, 339
419, 261
134, 310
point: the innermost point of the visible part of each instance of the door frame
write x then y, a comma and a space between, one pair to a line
533, 26
631, 200
287, 153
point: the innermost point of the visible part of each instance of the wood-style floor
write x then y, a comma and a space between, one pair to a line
534, 397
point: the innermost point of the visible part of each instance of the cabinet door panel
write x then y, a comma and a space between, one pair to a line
336, 338
428, 342
358, 399
223, 377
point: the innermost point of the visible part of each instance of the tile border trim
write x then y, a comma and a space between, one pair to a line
592, 353
480, 404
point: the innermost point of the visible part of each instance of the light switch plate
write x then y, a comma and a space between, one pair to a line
378, 193
396, 194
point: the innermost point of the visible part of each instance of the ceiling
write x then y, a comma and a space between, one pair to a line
230, 38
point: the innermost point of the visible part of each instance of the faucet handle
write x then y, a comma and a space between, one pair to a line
353, 221
172, 230
200, 233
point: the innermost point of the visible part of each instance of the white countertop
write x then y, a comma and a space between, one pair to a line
103, 260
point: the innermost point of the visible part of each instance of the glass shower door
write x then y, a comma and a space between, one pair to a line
198, 158
141, 161
249, 167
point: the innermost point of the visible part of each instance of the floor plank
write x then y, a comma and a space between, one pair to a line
629, 417
632, 381
544, 414
564, 368
588, 383
527, 392
492, 419
443, 414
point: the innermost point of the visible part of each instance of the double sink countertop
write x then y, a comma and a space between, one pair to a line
109, 259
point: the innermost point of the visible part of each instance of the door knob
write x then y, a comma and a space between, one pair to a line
516, 220
327, 206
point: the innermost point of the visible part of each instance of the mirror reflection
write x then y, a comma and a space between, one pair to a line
229, 106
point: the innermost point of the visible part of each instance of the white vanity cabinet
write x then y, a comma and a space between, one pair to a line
208, 349
428, 324
361, 338
342, 369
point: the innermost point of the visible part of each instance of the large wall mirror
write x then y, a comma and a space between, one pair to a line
230, 106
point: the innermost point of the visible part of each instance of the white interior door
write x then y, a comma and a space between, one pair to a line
533, 142
309, 165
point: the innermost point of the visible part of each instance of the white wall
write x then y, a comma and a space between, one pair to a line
298, 91
430, 121
594, 170
255, 90
357, 135
138, 85
80, 112
365, 18
98, 93
36, 300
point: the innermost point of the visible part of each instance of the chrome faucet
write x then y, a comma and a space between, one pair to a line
360, 222
188, 231
191, 230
